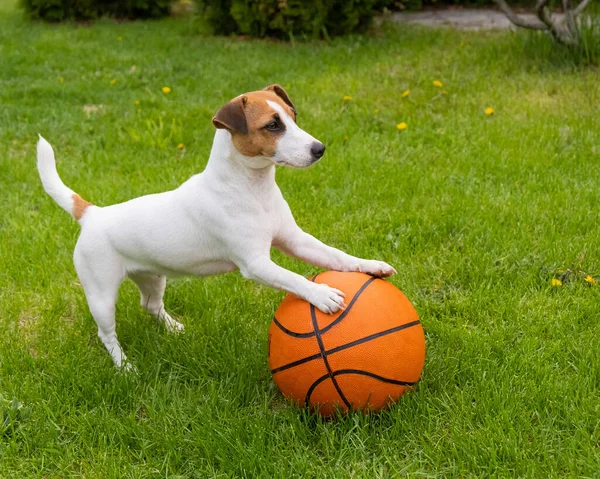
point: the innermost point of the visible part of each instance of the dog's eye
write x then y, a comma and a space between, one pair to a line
273, 126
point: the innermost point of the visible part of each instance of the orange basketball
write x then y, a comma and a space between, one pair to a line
362, 358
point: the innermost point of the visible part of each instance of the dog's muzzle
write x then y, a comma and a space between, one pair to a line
317, 150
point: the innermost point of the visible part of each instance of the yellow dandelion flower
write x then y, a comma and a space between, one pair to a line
61, 79
402, 126
166, 90
375, 111
347, 98
589, 279
489, 111
113, 82
180, 146
137, 102
405, 94
438, 83
119, 38
556, 282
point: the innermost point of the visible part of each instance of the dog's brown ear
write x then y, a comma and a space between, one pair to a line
281, 93
232, 116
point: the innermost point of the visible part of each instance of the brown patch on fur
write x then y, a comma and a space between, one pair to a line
231, 116
79, 206
281, 93
249, 137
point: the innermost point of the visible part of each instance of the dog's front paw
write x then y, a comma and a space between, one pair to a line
172, 325
128, 368
327, 299
377, 268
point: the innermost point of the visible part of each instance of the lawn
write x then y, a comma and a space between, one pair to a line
478, 213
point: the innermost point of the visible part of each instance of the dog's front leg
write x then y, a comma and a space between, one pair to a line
262, 269
303, 246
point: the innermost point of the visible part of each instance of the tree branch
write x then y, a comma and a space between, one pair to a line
543, 13
559, 31
564, 31
520, 21
581, 7
569, 18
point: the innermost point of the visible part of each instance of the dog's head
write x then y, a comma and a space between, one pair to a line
263, 126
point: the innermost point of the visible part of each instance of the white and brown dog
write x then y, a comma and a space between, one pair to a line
226, 218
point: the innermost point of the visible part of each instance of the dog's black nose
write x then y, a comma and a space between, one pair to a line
317, 149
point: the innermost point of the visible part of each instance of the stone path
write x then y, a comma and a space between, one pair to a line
462, 19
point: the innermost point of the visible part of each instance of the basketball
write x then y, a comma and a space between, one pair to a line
362, 358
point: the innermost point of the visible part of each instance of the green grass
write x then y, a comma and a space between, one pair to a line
478, 214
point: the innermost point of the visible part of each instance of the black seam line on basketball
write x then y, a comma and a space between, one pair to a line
313, 317
345, 346
372, 336
313, 386
374, 376
296, 363
349, 307
358, 372
337, 320
292, 333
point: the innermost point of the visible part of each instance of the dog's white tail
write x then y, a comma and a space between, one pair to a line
67, 199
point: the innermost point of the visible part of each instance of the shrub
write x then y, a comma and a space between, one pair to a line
58, 10
420, 4
287, 18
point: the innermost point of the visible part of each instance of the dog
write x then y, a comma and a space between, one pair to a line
224, 219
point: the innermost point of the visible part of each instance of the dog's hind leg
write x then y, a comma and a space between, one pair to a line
101, 280
152, 289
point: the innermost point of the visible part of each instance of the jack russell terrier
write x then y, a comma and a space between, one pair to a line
226, 218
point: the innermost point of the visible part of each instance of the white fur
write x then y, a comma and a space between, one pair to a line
222, 219
294, 147
50, 179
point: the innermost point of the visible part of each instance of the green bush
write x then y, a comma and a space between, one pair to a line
287, 18
58, 10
